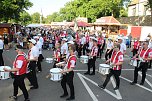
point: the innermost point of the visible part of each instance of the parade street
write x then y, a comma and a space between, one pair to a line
86, 86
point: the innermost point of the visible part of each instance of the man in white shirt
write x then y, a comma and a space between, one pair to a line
41, 39
122, 45
1, 51
40, 58
83, 44
64, 48
33, 55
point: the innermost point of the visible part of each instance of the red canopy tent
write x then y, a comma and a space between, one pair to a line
80, 24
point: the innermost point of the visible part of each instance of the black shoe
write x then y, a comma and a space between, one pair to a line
133, 83
34, 88
141, 83
116, 88
87, 73
101, 86
70, 98
13, 97
92, 74
64, 95
27, 100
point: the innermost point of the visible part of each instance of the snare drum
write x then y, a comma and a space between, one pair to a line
55, 74
104, 69
49, 60
84, 59
4, 75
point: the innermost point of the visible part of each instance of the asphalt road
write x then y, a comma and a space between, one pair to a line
86, 88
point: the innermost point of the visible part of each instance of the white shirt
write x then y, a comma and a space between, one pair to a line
90, 45
64, 48
83, 40
122, 47
41, 40
1, 44
109, 45
34, 52
39, 46
150, 44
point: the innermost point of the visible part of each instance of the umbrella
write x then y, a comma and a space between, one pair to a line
80, 24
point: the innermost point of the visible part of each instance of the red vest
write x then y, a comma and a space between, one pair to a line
71, 57
23, 69
94, 51
57, 55
87, 38
142, 52
136, 45
100, 40
118, 58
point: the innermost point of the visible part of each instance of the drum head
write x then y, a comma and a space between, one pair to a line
55, 70
1, 67
84, 56
49, 58
104, 65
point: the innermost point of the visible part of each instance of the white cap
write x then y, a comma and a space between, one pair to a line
0, 36
36, 37
32, 41
70, 42
109, 38
64, 39
120, 38
147, 38
93, 38
39, 34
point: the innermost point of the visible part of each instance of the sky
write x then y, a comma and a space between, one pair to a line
47, 6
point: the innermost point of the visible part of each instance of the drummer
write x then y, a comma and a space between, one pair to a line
68, 74
57, 54
116, 62
19, 69
92, 56
145, 55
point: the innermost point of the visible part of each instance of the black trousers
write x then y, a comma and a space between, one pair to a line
108, 54
68, 79
19, 83
99, 51
116, 74
32, 74
1, 58
40, 58
135, 51
91, 64
143, 67
79, 50
84, 48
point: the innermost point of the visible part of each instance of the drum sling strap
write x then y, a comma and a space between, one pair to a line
114, 58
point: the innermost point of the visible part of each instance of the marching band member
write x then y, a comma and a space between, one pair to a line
100, 45
57, 54
136, 46
92, 55
33, 55
19, 70
68, 74
145, 55
116, 62
109, 49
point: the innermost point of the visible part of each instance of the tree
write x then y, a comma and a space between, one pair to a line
150, 6
35, 17
11, 9
25, 18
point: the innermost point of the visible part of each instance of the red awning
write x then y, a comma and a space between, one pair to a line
109, 20
80, 24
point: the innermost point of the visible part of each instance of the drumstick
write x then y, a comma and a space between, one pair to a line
48, 76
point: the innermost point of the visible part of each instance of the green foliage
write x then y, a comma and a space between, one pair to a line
35, 17
11, 9
25, 18
92, 9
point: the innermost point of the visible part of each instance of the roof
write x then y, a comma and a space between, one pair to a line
109, 20
5, 25
134, 2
